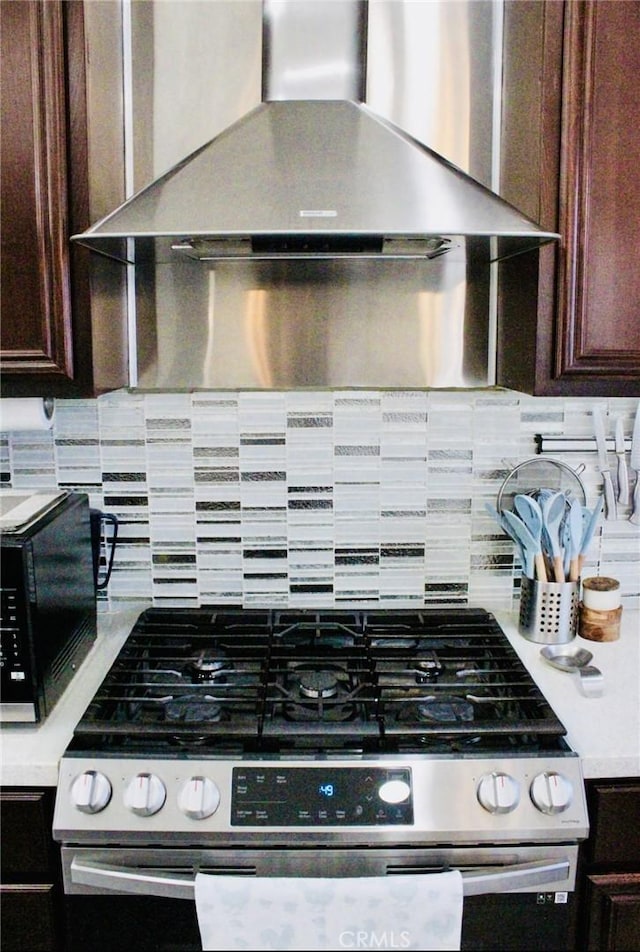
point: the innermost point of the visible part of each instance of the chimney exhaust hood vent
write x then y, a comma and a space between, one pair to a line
309, 173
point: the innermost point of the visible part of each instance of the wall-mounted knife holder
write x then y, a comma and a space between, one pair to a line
577, 444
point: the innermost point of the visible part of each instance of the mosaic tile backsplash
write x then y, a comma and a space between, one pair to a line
315, 499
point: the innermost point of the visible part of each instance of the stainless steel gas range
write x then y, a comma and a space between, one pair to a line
355, 742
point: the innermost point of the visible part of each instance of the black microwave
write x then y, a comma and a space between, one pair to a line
48, 600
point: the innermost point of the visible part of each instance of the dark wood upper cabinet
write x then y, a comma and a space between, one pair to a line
53, 323
571, 135
570, 146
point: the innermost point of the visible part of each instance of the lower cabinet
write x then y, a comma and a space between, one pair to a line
31, 895
609, 879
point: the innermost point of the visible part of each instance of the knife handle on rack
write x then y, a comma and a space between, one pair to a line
609, 495
635, 503
623, 480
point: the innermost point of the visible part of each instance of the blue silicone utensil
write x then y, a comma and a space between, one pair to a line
526, 557
553, 510
530, 543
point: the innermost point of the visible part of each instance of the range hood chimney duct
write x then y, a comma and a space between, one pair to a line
312, 172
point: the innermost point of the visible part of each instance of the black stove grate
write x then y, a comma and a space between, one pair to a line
244, 681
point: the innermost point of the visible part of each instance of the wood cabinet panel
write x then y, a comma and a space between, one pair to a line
599, 312
62, 334
31, 895
34, 200
609, 880
25, 834
29, 919
614, 912
614, 810
571, 137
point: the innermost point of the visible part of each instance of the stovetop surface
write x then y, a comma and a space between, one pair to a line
234, 682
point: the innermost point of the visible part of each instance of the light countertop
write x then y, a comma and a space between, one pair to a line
604, 730
29, 754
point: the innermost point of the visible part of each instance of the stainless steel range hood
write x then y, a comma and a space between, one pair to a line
313, 172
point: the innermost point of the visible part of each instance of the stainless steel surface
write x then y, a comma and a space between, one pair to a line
566, 659
622, 473
170, 872
433, 70
635, 465
576, 661
300, 198
541, 472
312, 324
548, 611
145, 802
326, 169
328, 63
603, 463
437, 816
591, 681
539, 874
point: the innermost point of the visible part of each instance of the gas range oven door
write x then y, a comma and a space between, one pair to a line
143, 898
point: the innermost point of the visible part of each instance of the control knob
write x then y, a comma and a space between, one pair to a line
551, 792
199, 798
145, 794
498, 792
90, 791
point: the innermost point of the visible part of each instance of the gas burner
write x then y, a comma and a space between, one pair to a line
318, 684
206, 668
445, 709
319, 692
313, 680
428, 667
193, 709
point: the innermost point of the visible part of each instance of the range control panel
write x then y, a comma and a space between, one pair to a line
337, 796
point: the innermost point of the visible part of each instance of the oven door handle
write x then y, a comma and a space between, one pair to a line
478, 881
497, 879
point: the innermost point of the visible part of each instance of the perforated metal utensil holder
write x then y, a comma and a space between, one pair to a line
549, 611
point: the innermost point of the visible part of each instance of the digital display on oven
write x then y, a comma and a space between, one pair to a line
321, 796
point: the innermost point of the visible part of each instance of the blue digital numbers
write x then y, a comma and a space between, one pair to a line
327, 790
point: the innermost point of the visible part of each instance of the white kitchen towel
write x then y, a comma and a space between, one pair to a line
393, 912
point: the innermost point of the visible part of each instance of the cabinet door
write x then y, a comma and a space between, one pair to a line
609, 917
571, 139
63, 330
36, 317
599, 286
28, 852
29, 919
31, 891
614, 811
613, 912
